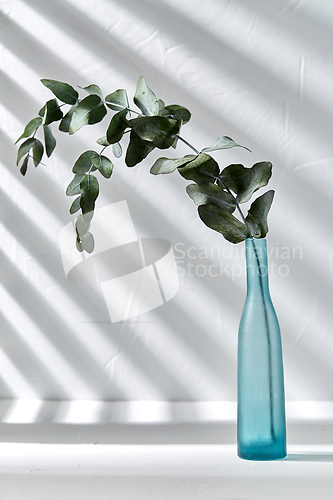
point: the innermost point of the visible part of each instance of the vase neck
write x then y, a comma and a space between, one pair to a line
256, 265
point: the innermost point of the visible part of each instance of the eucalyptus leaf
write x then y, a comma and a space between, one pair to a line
75, 206
260, 174
203, 194
73, 187
24, 148
145, 99
24, 166
79, 244
102, 141
83, 163
236, 177
87, 242
88, 215
117, 127
50, 142
88, 112
37, 152
257, 216
93, 89
224, 222
168, 165
65, 92
81, 226
224, 142
156, 129
137, 150
89, 192
66, 121
51, 112
103, 164
201, 170
161, 105
30, 128
117, 149
117, 100
176, 112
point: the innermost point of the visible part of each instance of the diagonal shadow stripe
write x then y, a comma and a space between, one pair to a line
124, 339
55, 330
32, 369
303, 26
182, 29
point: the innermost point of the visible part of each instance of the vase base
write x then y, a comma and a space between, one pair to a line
262, 453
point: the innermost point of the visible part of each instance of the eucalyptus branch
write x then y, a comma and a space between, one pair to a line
187, 144
156, 126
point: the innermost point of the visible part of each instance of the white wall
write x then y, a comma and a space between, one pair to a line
258, 71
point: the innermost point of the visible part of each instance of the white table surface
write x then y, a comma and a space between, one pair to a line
159, 460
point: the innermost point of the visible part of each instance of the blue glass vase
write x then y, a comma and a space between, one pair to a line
261, 430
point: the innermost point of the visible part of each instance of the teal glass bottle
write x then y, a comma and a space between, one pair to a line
261, 429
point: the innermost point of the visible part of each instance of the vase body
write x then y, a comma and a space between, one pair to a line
261, 430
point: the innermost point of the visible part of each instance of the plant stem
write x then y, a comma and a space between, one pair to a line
269, 345
237, 205
187, 144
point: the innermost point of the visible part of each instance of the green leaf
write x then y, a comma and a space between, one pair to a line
50, 142
245, 181
24, 166
102, 141
30, 128
257, 216
176, 112
88, 112
161, 105
82, 226
24, 148
65, 92
145, 99
37, 152
201, 170
51, 112
103, 164
79, 244
73, 187
156, 129
224, 143
117, 127
260, 174
66, 121
236, 177
203, 194
89, 192
83, 163
75, 206
93, 89
117, 149
168, 165
117, 100
137, 150
87, 242
224, 222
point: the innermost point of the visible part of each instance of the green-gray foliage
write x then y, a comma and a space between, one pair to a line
217, 194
